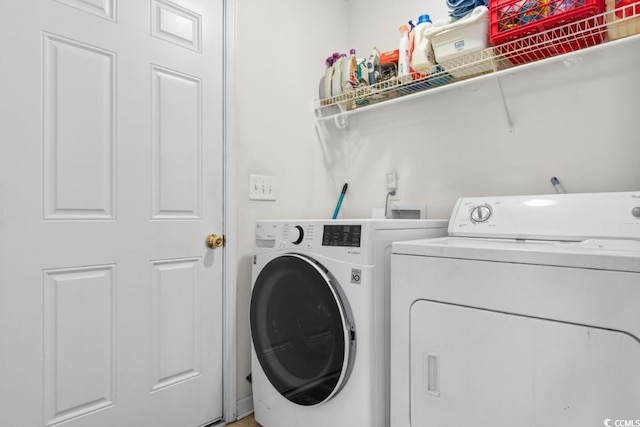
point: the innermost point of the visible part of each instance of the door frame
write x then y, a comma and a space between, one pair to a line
229, 220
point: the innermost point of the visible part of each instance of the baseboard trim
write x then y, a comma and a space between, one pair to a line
244, 407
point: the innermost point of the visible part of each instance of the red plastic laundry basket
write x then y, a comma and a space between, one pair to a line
528, 30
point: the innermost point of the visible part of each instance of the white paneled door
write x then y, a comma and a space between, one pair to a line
110, 181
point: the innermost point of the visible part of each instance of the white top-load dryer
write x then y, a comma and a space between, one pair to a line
319, 319
527, 315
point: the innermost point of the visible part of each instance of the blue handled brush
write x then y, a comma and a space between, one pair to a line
344, 190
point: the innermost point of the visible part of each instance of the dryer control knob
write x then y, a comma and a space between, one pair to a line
481, 213
297, 234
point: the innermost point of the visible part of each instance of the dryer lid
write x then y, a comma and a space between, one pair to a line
302, 330
600, 254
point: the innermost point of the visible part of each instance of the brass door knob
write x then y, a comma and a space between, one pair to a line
215, 241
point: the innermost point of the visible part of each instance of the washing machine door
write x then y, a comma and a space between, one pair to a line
302, 330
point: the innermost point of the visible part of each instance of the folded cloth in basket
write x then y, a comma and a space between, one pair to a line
461, 8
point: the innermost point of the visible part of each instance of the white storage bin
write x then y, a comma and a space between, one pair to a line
475, 63
467, 35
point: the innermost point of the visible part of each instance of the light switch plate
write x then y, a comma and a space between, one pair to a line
262, 187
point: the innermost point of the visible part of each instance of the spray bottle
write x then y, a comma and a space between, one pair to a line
403, 54
412, 34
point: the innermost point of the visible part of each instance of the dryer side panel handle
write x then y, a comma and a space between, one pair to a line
431, 373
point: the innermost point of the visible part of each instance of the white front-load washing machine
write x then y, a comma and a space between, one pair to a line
527, 315
319, 319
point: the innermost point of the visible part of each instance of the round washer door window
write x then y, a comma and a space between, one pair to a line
301, 330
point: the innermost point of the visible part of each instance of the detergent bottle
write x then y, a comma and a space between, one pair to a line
423, 58
403, 53
336, 79
325, 81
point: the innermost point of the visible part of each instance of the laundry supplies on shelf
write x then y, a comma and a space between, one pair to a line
479, 41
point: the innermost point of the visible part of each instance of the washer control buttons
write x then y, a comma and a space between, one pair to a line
481, 213
636, 211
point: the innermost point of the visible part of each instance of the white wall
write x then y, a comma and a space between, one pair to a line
373, 23
280, 51
577, 121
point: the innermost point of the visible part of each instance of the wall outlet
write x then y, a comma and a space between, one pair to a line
392, 181
262, 187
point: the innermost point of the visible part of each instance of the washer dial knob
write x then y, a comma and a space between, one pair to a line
481, 213
297, 234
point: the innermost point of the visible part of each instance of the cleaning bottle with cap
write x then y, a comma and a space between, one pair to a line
363, 72
423, 58
325, 81
403, 54
349, 71
373, 67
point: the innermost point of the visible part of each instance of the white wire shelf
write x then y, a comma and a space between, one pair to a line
557, 42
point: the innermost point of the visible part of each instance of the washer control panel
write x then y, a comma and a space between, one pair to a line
334, 239
348, 235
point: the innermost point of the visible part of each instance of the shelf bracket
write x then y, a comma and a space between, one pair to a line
504, 104
341, 119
